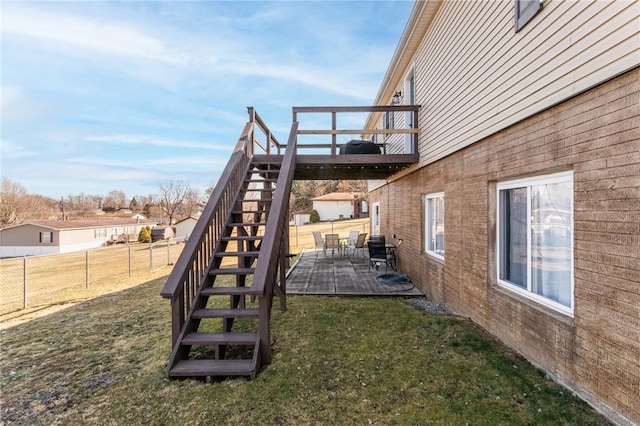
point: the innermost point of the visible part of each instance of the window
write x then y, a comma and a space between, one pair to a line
525, 10
46, 237
388, 121
434, 225
535, 239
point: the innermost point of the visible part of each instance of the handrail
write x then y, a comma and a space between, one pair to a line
192, 267
277, 218
365, 132
260, 124
273, 247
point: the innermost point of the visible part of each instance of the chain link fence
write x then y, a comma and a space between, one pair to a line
45, 280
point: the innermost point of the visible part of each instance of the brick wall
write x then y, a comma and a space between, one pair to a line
596, 135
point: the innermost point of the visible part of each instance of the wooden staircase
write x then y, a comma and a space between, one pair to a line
222, 286
236, 257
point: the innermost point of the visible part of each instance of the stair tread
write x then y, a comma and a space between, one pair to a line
212, 338
237, 253
249, 211
246, 223
224, 291
254, 200
213, 367
226, 313
232, 271
243, 238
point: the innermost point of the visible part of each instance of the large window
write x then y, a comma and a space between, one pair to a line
434, 224
535, 238
46, 237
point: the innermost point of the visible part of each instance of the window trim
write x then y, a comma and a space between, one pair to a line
427, 225
528, 183
524, 11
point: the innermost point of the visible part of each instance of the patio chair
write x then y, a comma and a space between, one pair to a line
317, 237
332, 242
351, 239
378, 255
358, 244
377, 238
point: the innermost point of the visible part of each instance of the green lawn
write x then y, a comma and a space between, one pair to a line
336, 361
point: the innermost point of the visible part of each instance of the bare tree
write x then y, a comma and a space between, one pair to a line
17, 206
192, 203
115, 200
172, 194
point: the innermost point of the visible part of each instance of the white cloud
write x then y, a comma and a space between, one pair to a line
93, 34
155, 141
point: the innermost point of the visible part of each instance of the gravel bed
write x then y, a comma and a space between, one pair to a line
428, 305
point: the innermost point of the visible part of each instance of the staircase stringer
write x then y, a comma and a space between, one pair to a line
274, 248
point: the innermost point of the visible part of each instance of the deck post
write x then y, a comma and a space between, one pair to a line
333, 135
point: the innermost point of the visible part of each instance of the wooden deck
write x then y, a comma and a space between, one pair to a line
341, 276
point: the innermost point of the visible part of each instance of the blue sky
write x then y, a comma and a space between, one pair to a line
102, 96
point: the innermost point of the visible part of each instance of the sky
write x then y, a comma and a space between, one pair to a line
123, 95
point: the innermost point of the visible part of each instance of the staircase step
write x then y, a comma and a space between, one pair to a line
226, 291
248, 212
237, 253
243, 238
255, 200
233, 338
260, 180
226, 313
213, 367
232, 271
247, 224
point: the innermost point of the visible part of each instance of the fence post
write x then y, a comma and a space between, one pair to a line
86, 261
168, 252
129, 247
24, 281
151, 256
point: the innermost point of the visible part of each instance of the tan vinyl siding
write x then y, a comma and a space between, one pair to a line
27, 235
475, 75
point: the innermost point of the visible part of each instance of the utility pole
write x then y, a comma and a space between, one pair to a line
62, 206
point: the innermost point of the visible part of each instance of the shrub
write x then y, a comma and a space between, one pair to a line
314, 217
145, 235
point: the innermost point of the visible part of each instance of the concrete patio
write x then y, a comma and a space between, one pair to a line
341, 276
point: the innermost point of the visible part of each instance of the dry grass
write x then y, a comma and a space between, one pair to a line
59, 280
336, 361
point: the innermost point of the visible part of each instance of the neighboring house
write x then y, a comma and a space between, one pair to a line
302, 217
337, 205
524, 210
161, 233
184, 228
52, 236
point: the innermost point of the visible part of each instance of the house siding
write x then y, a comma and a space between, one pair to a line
475, 76
332, 210
23, 239
595, 134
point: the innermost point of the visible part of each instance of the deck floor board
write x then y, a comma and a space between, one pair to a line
341, 276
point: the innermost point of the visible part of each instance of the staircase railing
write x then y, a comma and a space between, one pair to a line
191, 270
274, 247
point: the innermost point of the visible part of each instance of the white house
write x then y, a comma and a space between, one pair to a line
53, 236
184, 228
337, 205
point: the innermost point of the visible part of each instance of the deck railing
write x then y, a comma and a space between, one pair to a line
410, 123
192, 268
